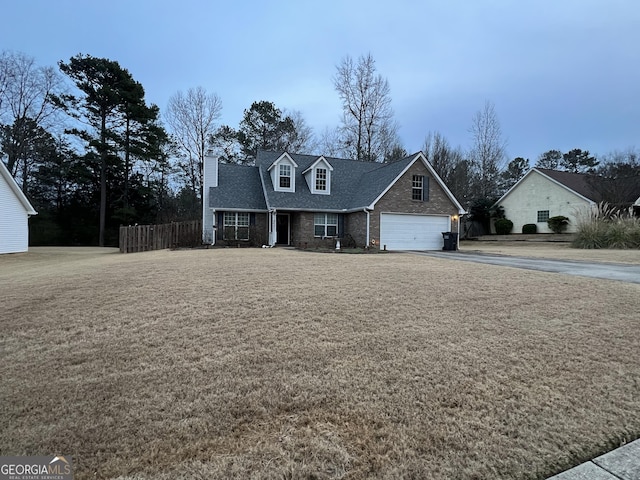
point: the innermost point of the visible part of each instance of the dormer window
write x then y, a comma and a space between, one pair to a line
285, 176
321, 179
318, 176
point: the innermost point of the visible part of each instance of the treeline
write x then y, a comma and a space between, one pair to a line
92, 154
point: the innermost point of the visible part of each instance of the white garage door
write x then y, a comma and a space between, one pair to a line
413, 232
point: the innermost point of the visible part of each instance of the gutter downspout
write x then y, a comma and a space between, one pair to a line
368, 221
214, 228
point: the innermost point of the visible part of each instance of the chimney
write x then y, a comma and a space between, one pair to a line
209, 179
210, 173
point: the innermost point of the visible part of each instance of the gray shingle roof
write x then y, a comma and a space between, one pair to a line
239, 187
354, 184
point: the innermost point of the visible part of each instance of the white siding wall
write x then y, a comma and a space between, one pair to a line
14, 226
539, 193
210, 180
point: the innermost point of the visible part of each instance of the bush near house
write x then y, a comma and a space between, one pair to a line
530, 229
503, 226
558, 224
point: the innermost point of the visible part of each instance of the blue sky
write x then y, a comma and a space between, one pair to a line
561, 74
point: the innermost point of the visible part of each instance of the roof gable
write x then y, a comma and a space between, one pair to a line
589, 187
583, 184
318, 176
320, 159
564, 180
13, 186
285, 157
408, 162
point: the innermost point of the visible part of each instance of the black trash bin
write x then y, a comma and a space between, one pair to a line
450, 240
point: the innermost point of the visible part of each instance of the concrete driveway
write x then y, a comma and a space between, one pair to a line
609, 271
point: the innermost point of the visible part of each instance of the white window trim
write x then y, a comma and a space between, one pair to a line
281, 167
235, 225
414, 188
310, 175
325, 225
327, 181
318, 179
274, 169
538, 216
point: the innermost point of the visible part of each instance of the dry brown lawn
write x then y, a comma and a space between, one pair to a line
555, 250
270, 363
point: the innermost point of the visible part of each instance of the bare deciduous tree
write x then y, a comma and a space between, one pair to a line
329, 142
368, 130
192, 119
5, 76
303, 139
442, 157
488, 151
26, 90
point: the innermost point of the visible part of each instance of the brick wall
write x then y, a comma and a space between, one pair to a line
258, 233
355, 224
302, 230
398, 200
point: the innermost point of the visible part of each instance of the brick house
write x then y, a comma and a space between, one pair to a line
307, 200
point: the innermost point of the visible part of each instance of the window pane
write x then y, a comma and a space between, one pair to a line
318, 230
543, 215
321, 178
318, 218
285, 176
416, 191
332, 219
242, 233
229, 219
243, 219
332, 230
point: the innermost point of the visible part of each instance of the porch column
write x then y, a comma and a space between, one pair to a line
214, 227
272, 229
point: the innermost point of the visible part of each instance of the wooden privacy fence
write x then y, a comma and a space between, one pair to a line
142, 238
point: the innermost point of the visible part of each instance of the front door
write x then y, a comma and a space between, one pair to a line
282, 228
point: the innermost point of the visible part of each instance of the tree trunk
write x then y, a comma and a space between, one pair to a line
127, 159
103, 178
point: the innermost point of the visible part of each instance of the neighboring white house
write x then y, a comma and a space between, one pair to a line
543, 193
15, 211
